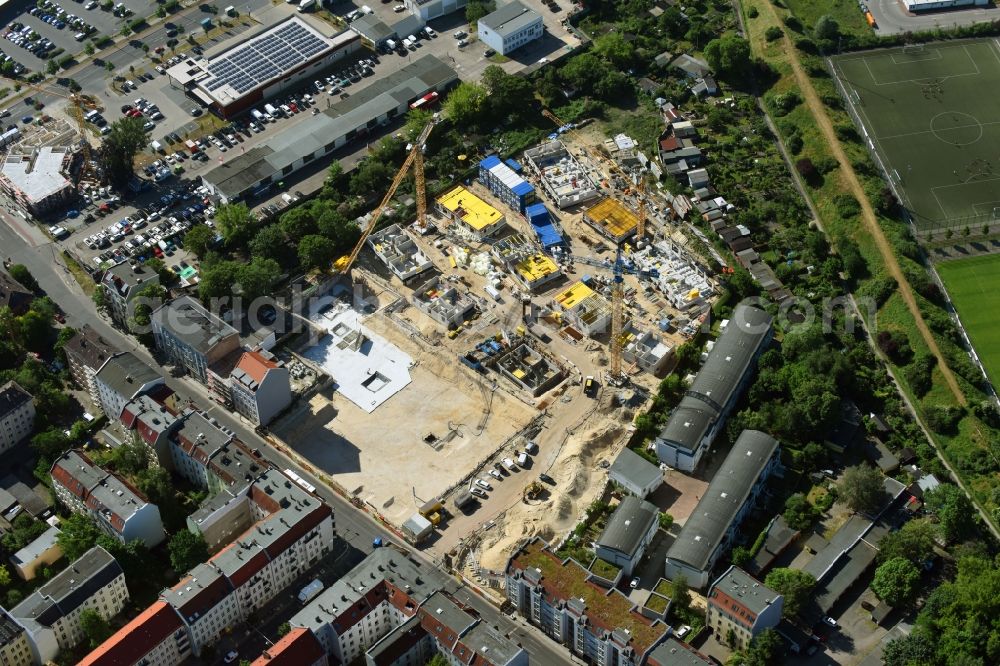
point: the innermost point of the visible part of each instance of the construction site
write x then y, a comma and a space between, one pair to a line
463, 378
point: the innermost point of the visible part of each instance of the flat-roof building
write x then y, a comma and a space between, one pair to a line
191, 336
740, 604
430, 9
673, 652
583, 308
42, 551
565, 181
15, 650
291, 147
733, 492
442, 302
510, 27
535, 271
471, 214
504, 180
262, 66
38, 181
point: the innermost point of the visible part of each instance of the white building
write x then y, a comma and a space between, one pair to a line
635, 474
87, 352
510, 27
15, 650
17, 415
122, 284
430, 9
740, 604
257, 387
122, 378
115, 506
51, 614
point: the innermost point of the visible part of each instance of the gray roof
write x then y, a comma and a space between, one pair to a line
288, 145
688, 423
407, 25
122, 277
9, 628
630, 465
691, 65
70, 589
92, 484
723, 498
779, 536
12, 397
125, 374
744, 588
34, 550
509, 18
26, 497
441, 607
628, 525
189, 321
490, 644
673, 652
200, 432
370, 26
13, 294
90, 347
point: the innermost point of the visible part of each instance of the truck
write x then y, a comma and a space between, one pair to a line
306, 5
509, 464
192, 146
309, 592
463, 499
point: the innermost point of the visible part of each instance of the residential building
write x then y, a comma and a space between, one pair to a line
17, 415
15, 650
397, 250
299, 647
430, 9
156, 637
191, 336
673, 652
584, 309
86, 353
122, 284
629, 530
510, 27
559, 597
122, 378
39, 181
208, 455
645, 349
740, 608
51, 614
635, 474
116, 507
612, 219
150, 423
736, 489
464, 210
42, 551
535, 271
564, 179
257, 387
503, 179
442, 302
691, 67
14, 295
706, 405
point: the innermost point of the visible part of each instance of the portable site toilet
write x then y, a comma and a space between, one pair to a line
206, 24
231, 11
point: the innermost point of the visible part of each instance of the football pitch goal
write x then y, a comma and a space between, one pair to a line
931, 114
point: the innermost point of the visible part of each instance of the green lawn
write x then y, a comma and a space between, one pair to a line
972, 284
845, 12
925, 113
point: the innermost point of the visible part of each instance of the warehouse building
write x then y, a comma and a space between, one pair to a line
430, 9
261, 67
612, 219
932, 5
504, 180
469, 213
292, 147
510, 27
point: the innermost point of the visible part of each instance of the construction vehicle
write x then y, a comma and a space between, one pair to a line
415, 158
637, 177
533, 490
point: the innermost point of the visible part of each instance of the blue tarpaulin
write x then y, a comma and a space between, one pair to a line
541, 222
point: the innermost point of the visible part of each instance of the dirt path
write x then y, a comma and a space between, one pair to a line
815, 105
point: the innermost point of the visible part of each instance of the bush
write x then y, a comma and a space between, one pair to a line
752, 12
773, 33
794, 144
847, 133
785, 102
793, 23
847, 206
806, 45
943, 420
918, 373
807, 170
895, 345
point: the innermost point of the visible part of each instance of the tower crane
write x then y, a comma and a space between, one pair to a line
414, 158
637, 179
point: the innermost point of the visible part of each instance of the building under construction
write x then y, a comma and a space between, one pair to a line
584, 309
442, 302
529, 369
565, 181
612, 219
399, 252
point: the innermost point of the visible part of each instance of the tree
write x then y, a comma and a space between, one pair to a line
666, 521
826, 28
51, 67
728, 56
146, 300
764, 650
101, 301
369, 177
466, 103
913, 649
94, 627
50, 443
299, 222
217, 280
167, 276
477, 9
794, 585
284, 628
741, 555
198, 239
612, 47
316, 251
342, 231
129, 458
21, 273
680, 592
78, 535
257, 278
120, 146
861, 488
186, 550
437, 660
35, 331
509, 93
913, 541
799, 513
14, 597
896, 581
24, 530
955, 513
4, 575
236, 222
270, 243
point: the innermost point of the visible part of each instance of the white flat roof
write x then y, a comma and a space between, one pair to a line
38, 175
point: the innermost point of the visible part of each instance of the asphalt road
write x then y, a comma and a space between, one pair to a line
23, 243
892, 19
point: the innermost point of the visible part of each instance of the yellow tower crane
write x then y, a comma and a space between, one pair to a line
415, 159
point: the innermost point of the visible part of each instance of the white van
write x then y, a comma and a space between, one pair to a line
258, 116
80, 36
522, 460
230, 11
271, 111
156, 146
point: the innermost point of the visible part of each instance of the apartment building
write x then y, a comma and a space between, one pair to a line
629, 531
86, 352
740, 607
14, 647
191, 336
51, 614
150, 423
115, 506
155, 637
122, 284
559, 597
209, 456
122, 378
706, 405
255, 384
17, 415
299, 647
736, 489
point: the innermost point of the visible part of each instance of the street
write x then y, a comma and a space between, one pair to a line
355, 527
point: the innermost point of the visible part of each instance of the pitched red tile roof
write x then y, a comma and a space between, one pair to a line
669, 144
255, 365
137, 638
299, 647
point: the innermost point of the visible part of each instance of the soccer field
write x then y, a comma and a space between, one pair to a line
932, 113
973, 286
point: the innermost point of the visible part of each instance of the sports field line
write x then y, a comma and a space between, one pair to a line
942, 187
925, 78
930, 131
940, 47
